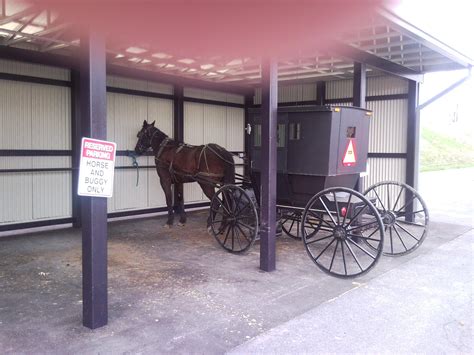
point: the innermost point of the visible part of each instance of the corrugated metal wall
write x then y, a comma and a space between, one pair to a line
36, 70
339, 89
388, 130
125, 116
205, 123
291, 93
34, 116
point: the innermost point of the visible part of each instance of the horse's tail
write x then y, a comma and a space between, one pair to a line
228, 160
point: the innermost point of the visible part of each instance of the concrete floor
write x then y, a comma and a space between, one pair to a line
177, 291
170, 291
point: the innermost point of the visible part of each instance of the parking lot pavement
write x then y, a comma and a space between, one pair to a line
424, 305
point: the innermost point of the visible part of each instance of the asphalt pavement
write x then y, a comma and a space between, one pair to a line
424, 305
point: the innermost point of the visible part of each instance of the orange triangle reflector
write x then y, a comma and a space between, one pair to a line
350, 154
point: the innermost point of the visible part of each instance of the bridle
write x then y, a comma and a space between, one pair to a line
141, 146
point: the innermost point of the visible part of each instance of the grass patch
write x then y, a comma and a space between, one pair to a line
440, 152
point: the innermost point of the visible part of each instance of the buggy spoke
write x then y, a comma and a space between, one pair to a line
378, 198
353, 255
348, 205
398, 198
410, 223
357, 215
358, 246
250, 228
407, 204
406, 231
362, 226
319, 219
399, 237
334, 255
362, 237
327, 210
343, 258
226, 235
391, 241
237, 237
337, 208
326, 248
223, 206
241, 231
388, 196
318, 240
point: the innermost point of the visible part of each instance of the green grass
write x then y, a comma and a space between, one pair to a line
440, 152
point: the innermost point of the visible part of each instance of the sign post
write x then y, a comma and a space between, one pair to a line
96, 169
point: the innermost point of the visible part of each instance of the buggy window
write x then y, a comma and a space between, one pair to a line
295, 131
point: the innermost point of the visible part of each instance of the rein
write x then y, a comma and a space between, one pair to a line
134, 156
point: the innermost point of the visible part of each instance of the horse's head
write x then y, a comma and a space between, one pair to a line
146, 136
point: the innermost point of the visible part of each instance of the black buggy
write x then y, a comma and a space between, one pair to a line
321, 151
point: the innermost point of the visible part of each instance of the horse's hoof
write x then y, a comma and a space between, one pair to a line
181, 224
167, 226
209, 230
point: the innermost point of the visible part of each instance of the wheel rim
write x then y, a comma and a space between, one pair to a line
404, 214
233, 219
335, 223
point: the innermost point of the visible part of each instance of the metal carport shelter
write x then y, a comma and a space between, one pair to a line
383, 44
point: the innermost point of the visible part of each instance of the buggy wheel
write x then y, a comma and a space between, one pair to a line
290, 223
404, 215
336, 224
234, 219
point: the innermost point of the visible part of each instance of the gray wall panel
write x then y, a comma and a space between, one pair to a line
15, 115
51, 121
337, 89
388, 127
36, 70
291, 93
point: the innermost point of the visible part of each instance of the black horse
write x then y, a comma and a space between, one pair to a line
209, 165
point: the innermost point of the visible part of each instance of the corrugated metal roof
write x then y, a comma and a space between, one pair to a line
384, 37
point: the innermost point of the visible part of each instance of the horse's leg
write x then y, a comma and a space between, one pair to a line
209, 191
165, 181
180, 195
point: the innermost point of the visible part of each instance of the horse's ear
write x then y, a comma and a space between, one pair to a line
153, 124
145, 123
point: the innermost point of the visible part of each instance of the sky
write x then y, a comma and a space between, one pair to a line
451, 22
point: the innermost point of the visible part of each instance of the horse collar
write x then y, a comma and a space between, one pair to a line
163, 144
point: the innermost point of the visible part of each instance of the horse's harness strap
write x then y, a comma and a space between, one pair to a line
162, 146
202, 155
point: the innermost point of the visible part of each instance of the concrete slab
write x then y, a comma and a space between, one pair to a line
171, 291
422, 306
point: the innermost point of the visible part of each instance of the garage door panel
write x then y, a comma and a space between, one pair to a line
16, 202
193, 123
51, 118
130, 112
235, 129
162, 112
15, 115
127, 194
214, 125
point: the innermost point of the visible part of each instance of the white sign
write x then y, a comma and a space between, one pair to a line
96, 171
